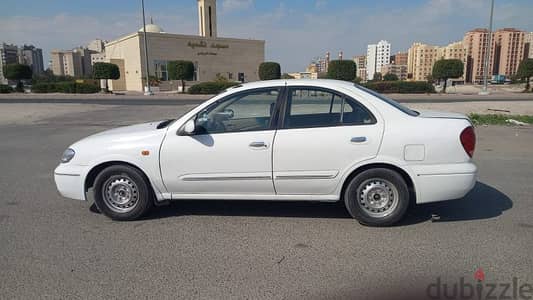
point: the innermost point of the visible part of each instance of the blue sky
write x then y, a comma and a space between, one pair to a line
295, 31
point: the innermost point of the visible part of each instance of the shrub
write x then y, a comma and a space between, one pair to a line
106, 71
5, 89
390, 77
447, 68
68, 87
181, 70
269, 71
211, 87
401, 87
342, 70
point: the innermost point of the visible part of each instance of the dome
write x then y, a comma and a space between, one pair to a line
152, 28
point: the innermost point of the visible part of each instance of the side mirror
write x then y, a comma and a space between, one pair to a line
188, 129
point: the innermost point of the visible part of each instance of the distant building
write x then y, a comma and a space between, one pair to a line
475, 42
399, 58
66, 63
304, 75
33, 57
96, 46
236, 59
360, 62
399, 70
8, 55
377, 56
508, 49
528, 45
454, 50
421, 58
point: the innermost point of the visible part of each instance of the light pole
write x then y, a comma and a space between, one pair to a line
148, 90
485, 90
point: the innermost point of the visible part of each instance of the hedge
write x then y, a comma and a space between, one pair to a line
401, 87
5, 89
211, 87
65, 87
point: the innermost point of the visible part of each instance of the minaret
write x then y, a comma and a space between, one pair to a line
207, 15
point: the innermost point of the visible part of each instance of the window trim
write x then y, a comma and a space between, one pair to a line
273, 118
283, 113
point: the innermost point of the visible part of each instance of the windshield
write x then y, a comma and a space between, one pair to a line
397, 105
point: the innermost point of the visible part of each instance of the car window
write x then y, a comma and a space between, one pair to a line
247, 111
312, 107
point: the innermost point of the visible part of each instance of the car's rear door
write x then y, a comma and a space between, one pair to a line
322, 133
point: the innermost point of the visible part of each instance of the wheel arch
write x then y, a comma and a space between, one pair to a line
95, 170
408, 180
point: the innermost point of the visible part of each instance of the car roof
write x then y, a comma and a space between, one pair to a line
295, 82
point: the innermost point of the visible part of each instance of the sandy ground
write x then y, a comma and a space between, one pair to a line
18, 114
507, 107
21, 114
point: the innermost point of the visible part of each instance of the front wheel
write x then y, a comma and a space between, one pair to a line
122, 193
377, 197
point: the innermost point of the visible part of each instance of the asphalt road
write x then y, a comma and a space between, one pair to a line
51, 247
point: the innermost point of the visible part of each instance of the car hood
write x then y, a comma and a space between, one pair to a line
423, 113
137, 129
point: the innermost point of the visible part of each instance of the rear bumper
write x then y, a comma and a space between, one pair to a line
444, 182
69, 181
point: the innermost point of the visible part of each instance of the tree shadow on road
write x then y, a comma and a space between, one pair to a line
483, 202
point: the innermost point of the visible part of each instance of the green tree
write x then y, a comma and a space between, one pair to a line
18, 72
391, 77
269, 71
106, 71
525, 71
377, 76
181, 70
286, 76
342, 70
447, 68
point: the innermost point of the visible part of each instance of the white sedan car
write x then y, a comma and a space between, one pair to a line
294, 140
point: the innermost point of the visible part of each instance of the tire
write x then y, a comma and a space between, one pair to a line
377, 197
122, 193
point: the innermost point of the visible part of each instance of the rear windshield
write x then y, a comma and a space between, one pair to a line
404, 109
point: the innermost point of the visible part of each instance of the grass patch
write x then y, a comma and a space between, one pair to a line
496, 119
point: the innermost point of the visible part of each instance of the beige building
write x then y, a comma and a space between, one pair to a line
304, 75
75, 62
360, 62
398, 70
475, 42
528, 45
400, 58
508, 49
420, 60
235, 59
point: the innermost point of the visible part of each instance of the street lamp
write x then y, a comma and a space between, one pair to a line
148, 90
485, 91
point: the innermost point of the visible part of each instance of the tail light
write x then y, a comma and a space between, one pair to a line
468, 140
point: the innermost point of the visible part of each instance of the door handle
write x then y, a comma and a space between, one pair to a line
258, 145
358, 139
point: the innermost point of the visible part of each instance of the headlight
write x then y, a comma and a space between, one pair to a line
67, 155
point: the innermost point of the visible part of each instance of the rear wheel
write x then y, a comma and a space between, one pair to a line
122, 193
377, 197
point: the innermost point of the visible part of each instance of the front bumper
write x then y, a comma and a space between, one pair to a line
70, 181
444, 182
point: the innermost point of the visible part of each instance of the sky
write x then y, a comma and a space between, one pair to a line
295, 31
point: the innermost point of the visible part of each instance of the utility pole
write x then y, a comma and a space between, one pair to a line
485, 90
148, 90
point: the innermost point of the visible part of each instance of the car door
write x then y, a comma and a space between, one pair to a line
230, 152
322, 134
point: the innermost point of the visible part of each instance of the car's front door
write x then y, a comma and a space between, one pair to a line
230, 152
322, 134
